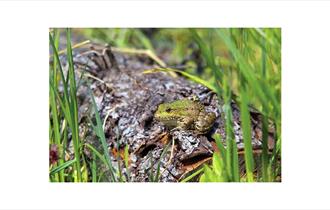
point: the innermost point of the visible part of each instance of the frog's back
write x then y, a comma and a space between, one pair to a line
186, 104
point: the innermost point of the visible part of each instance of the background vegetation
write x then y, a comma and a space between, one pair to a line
238, 64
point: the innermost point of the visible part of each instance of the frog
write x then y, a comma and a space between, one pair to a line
185, 114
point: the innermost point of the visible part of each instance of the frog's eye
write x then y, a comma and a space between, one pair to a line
168, 109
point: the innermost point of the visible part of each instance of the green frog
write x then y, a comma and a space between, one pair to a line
185, 114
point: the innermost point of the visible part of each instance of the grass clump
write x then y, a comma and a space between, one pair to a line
64, 120
253, 78
64, 109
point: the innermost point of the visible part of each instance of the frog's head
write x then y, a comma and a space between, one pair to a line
174, 109
164, 110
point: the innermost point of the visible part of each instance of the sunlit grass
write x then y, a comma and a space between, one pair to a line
254, 81
67, 102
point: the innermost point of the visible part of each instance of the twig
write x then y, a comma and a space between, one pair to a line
171, 156
149, 53
73, 47
106, 117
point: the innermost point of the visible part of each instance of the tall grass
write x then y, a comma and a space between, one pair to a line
253, 77
67, 102
64, 121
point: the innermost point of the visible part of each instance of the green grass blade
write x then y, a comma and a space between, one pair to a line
53, 105
56, 129
196, 173
157, 178
93, 168
219, 168
99, 132
64, 82
55, 64
232, 156
264, 155
143, 39
246, 127
209, 175
235, 164
220, 146
65, 105
194, 78
276, 152
62, 166
229, 130
97, 153
73, 107
65, 109
151, 174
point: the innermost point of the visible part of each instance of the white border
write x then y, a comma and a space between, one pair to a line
24, 104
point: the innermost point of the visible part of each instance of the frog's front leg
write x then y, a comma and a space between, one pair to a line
186, 123
205, 122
